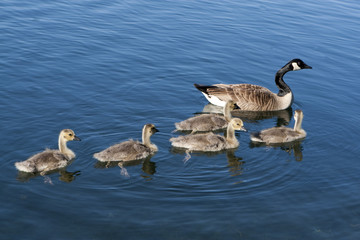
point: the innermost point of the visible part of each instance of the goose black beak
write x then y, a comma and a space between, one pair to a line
236, 107
307, 66
156, 130
76, 138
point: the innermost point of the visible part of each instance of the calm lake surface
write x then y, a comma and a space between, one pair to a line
104, 69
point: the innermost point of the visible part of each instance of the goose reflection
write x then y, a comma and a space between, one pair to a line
65, 176
292, 148
283, 116
147, 167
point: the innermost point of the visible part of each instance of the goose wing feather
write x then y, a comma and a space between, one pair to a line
246, 96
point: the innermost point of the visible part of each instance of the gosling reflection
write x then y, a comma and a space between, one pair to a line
283, 116
65, 176
235, 164
292, 148
147, 167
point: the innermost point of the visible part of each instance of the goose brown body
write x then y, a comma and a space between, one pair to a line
250, 97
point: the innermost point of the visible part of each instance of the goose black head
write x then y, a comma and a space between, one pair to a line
297, 64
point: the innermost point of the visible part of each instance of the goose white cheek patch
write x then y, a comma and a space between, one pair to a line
295, 66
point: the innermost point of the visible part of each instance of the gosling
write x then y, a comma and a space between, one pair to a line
207, 122
281, 134
50, 159
130, 150
210, 142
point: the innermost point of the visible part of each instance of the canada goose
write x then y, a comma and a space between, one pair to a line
130, 150
281, 134
210, 142
251, 97
207, 122
50, 159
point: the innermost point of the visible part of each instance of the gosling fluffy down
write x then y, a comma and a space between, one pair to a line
281, 134
210, 142
50, 159
130, 150
207, 122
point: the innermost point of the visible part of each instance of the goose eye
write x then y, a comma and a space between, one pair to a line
70, 134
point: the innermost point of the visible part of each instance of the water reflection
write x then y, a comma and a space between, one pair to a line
293, 148
65, 176
235, 163
283, 116
148, 166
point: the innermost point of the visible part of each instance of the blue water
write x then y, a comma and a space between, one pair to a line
104, 69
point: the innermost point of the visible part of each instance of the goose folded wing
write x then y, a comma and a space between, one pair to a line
246, 96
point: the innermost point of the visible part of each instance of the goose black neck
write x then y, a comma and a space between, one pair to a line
283, 87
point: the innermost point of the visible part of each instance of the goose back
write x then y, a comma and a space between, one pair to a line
248, 97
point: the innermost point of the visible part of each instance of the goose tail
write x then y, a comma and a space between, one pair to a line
203, 88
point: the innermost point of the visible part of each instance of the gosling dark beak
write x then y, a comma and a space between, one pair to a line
236, 107
76, 138
156, 130
243, 129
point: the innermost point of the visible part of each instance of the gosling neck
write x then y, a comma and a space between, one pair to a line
230, 134
283, 87
298, 122
64, 149
227, 112
146, 140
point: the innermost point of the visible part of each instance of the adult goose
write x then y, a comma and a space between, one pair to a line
251, 97
281, 134
209, 142
207, 122
130, 150
50, 159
